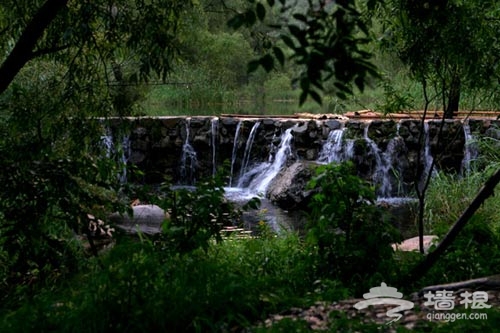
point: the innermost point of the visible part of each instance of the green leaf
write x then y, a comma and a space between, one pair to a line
300, 17
299, 34
360, 83
288, 41
303, 97
315, 96
267, 62
250, 18
261, 11
278, 53
253, 65
270, 3
237, 21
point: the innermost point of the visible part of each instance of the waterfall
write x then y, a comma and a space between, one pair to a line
349, 150
470, 149
428, 160
107, 141
332, 149
248, 149
124, 156
235, 150
269, 170
214, 123
188, 159
383, 164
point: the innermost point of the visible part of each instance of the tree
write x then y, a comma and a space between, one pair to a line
61, 63
325, 39
451, 45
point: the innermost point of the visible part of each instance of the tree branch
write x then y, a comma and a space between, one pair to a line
41, 52
22, 51
485, 192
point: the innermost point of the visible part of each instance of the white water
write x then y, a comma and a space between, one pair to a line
248, 149
383, 164
261, 176
332, 149
349, 150
214, 124
470, 149
188, 158
235, 150
428, 160
107, 141
124, 156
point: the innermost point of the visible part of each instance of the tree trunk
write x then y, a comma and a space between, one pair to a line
23, 50
453, 97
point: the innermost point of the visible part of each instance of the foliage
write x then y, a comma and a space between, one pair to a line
351, 233
195, 216
135, 289
94, 39
53, 176
452, 45
63, 62
395, 101
475, 252
325, 41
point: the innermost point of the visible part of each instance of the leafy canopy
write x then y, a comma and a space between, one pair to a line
324, 38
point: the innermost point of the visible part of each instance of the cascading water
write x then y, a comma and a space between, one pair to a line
383, 164
248, 149
124, 156
214, 126
261, 182
470, 149
107, 142
235, 150
428, 160
120, 154
188, 159
348, 150
332, 149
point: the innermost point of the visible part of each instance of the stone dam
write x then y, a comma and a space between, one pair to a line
257, 151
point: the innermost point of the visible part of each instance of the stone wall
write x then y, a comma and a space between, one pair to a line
186, 149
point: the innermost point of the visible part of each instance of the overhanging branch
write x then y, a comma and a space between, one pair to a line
23, 50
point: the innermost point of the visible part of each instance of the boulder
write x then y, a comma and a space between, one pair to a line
288, 189
146, 219
411, 244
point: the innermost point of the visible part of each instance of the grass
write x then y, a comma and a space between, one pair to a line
137, 286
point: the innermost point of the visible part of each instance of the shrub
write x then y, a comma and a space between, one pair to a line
351, 233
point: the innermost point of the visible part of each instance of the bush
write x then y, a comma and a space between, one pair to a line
351, 233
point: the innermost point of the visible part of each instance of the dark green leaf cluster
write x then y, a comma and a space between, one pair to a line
47, 191
451, 44
325, 42
352, 234
101, 33
195, 216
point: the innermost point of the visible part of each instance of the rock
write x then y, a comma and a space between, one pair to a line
288, 189
412, 244
146, 218
333, 124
